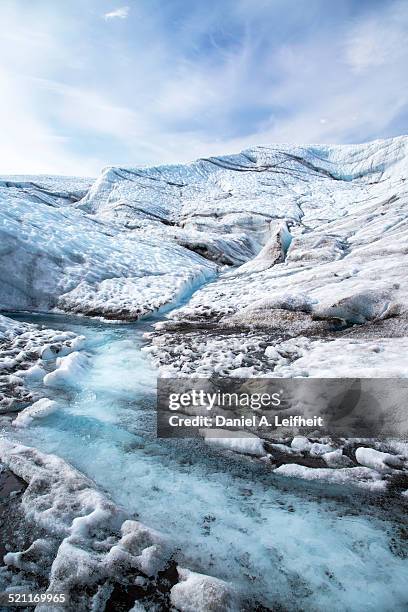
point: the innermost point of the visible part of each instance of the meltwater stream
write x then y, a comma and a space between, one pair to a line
287, 545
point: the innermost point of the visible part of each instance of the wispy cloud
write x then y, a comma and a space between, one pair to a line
119, 13
378, 40
183, 79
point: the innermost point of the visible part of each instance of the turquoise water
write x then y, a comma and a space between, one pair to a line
303, 546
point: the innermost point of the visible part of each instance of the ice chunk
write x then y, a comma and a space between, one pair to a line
376, 460
336, 459
272, 253
38, 410
317, 449
34, 373
300, 443
359, 307
363, 477
69, 370
201, 593
146, 548
238, 441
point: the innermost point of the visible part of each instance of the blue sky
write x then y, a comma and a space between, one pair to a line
91, 83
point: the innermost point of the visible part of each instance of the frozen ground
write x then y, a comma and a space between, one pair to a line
246, 537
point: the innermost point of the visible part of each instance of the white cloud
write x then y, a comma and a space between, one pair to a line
120, 13
28, 144
379, 40
79, 96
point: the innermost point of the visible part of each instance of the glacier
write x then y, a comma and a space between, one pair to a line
326, 221
283, 261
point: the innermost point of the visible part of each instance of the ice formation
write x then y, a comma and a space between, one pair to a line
242, 442
59, 257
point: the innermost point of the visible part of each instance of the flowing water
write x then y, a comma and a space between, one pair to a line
304, 546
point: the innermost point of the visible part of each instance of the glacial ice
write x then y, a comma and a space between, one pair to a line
89, 540
345, 264
338, 212
359, 476
28, 355
242, 442
282, 260
68, 372
316, 234
59, 257
380, 461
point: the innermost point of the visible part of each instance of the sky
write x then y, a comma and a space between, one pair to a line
87, 84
